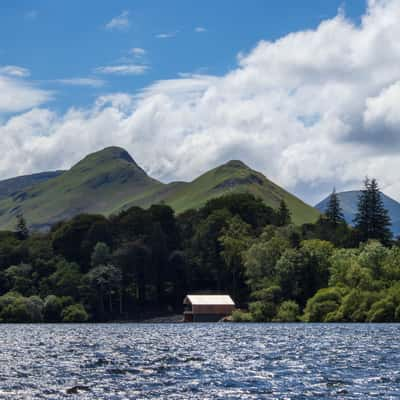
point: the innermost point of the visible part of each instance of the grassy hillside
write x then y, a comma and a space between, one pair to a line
108, 181
349, 200
232, 177
9, 186
236, 177
100, 183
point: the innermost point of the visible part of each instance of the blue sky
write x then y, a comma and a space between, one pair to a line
307, 92
60, 40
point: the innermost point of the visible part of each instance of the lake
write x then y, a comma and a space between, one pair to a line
200, 361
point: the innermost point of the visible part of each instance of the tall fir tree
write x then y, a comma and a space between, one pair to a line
283, 215
334, 212
372, 219
22, 230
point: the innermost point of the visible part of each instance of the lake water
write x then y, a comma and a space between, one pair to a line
200, 361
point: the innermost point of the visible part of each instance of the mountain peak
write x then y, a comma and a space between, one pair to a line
114, 152
236, 164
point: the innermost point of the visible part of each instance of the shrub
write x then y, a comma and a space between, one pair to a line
288, 311
241, 316
74, 313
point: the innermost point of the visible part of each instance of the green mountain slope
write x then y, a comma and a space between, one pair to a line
109, 181
100, 183
9, 186
232, 177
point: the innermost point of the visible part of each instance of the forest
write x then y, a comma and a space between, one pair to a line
142, 262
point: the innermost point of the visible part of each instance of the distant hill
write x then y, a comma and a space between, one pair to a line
12, 185
109, 181
349, 201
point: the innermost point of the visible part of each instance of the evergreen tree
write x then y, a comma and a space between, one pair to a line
333, 212
372, 219
21, 227
283, 214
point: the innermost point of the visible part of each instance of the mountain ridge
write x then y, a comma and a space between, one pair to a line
108, 181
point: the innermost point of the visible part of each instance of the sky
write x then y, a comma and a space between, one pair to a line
306, 92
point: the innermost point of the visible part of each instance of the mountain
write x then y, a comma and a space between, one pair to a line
12, 185
349, 200
109, 180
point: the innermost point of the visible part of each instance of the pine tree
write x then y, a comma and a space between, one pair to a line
21, 227
333, 212
372, 219
283, 214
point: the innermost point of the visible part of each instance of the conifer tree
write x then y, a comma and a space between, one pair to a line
334, 212
372, 219
283, 216
21, 227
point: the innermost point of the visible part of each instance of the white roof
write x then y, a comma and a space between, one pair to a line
209, 299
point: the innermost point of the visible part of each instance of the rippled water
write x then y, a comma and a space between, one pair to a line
200, 361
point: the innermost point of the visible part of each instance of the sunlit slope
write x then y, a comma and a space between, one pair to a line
108, 181
236, 177
100, 183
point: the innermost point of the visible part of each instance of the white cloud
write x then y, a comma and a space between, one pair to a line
138, 52
200, 29
91, 82
16, 94
124, 69
311, 110
120, 22
15, 71
166, 35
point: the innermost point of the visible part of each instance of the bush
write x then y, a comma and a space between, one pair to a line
52, 309
324, 302
241, 316
382, 311
288, 311
74, 313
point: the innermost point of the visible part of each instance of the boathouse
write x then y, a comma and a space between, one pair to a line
207, 307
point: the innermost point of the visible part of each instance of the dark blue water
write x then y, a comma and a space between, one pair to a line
200, 361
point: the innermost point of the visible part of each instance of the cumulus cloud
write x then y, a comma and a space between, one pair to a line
16, 94
166, 35
138, 52
200, 29
311, 110
120, 22
14, 70
91, 82
124, 69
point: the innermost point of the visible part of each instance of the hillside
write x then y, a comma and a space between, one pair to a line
12, 185
349, 201
108, 181
236, 177
100, 183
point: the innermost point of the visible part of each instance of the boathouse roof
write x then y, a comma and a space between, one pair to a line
209, 299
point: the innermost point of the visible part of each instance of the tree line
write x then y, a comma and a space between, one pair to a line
144, 261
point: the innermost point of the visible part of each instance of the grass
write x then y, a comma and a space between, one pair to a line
108, 181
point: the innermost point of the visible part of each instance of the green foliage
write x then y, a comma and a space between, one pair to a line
288, 311
21, 228
143, 261
372, 219
283, 215
242, 316
74, 313
16, 308
323, 305
334, 213
101, 255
